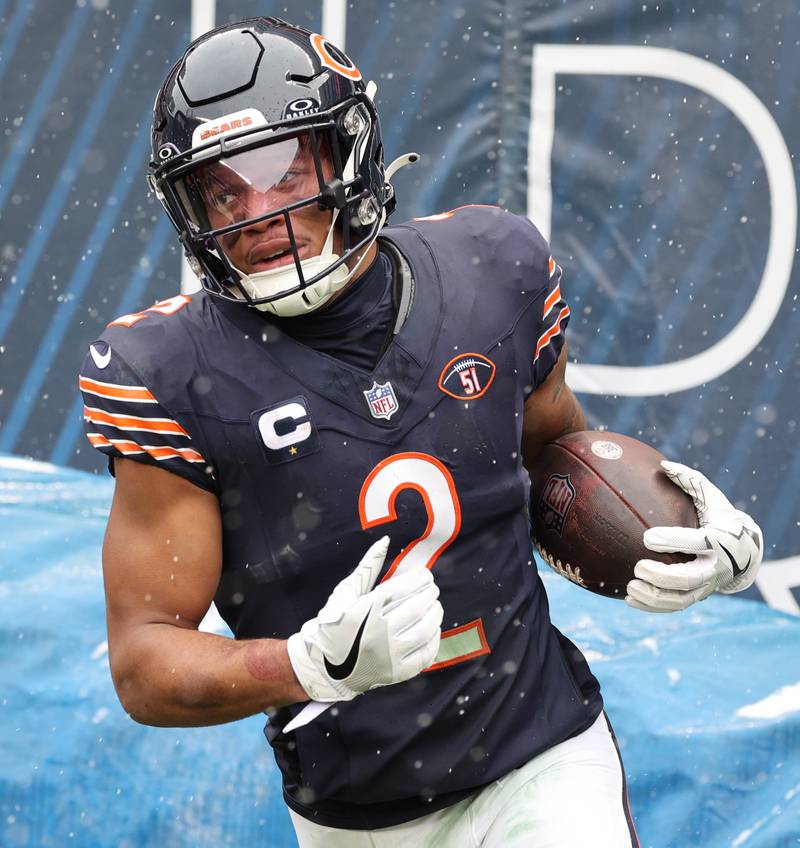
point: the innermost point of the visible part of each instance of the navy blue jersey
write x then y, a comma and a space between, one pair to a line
313, 459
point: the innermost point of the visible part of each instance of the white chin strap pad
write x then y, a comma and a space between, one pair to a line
268, 283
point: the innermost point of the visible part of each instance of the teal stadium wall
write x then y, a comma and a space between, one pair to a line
669, 194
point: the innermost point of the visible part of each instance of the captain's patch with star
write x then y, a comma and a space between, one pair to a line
286, 431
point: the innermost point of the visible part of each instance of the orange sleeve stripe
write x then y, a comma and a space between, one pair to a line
126, 447
551, 300
98, 440
131, 422
115, 391
545, 338
172, 453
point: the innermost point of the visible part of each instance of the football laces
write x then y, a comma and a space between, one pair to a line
565, 569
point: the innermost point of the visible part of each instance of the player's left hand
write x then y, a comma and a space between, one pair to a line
727, 548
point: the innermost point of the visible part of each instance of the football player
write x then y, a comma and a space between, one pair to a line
330, 441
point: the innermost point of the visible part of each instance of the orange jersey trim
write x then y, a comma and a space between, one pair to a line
116, 391
443, 216
126, 447
165, 307
134, 422
545, 338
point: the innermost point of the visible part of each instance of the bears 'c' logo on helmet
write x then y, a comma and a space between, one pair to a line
333, 58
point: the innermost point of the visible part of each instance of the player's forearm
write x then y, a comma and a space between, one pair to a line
174, 677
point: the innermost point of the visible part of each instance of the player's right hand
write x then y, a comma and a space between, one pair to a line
366, 637
727, 547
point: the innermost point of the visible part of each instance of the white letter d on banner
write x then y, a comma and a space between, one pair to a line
552, 59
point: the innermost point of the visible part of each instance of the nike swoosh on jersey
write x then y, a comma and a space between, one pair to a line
101, 360
736, 570
345, 669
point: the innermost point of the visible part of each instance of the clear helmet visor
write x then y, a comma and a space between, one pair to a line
254, 183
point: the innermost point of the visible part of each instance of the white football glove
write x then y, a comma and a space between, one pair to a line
727, 545
365, 637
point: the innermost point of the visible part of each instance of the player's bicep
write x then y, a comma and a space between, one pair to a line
551, 411
162, 553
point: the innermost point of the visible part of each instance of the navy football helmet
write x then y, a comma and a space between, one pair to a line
260, 119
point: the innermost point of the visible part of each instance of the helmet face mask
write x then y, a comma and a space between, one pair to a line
265, 159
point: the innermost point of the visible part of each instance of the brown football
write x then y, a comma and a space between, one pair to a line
593, 494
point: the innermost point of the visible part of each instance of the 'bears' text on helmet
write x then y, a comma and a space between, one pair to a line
258, 120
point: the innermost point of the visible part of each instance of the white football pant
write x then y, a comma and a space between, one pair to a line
572, 796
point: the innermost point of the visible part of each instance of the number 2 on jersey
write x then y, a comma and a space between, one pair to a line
434, 483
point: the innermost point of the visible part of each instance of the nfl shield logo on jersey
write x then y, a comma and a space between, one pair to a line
382, 400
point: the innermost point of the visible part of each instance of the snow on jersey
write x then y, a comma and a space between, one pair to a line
313, 459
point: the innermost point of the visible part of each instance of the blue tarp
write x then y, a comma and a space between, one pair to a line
706, 705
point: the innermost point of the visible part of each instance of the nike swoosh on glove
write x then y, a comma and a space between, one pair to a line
366, 637
727, 547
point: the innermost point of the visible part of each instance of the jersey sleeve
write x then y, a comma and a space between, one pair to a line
123, 418
539, 334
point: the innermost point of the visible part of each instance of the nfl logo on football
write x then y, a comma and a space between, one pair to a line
382, 400
556, 499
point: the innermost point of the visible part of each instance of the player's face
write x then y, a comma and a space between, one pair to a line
260, 181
